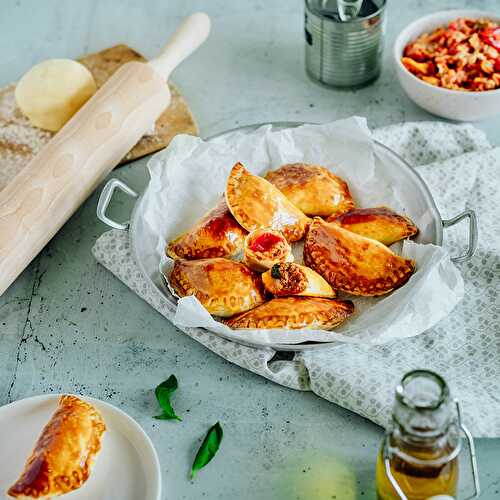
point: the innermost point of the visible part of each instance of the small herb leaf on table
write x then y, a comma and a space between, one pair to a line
163, 393
208, 448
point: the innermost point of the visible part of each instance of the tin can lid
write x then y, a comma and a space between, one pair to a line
331, 10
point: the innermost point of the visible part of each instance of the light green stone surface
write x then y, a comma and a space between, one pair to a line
68, 325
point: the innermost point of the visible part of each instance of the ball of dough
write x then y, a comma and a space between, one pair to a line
51, 92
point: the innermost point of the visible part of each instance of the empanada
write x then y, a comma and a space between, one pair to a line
289, 278
256, 203
312, 189
217, 234
380, 223
224, 287
265, 247
295, 312
353, 263
64, 453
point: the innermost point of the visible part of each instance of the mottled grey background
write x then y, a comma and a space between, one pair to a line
68, 325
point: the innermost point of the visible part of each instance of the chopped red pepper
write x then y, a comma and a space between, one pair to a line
265, 242
461, 56
491, 36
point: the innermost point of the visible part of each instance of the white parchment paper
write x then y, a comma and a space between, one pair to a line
189, 176
463, 172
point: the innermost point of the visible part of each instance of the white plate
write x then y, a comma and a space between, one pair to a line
127, 468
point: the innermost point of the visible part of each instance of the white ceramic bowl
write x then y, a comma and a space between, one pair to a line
452, 104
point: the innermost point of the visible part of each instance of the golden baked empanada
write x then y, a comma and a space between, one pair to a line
256, 203
379, 223
289, 278
312, 189
353, 263
64, 453
295, 312
217, 234
265, 247
224, 287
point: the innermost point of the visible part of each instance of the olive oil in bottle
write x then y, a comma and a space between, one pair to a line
420, 451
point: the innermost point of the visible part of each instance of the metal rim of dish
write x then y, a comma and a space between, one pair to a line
279, 125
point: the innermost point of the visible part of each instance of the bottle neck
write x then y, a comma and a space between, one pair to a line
423, 414
424, 447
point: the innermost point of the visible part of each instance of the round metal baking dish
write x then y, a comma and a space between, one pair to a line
419, 203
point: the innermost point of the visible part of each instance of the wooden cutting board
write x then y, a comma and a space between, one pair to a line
20, 142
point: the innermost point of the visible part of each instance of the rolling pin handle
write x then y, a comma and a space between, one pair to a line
190, 34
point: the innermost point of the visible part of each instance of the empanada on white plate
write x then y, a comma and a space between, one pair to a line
265, 247
216, 234
224, 287
353, 263
64, 454
295, 312
312, 188
379, 223
256, 203
288, 278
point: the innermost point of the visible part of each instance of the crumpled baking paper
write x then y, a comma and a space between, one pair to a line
190, 175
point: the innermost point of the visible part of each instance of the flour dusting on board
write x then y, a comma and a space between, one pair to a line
19, 141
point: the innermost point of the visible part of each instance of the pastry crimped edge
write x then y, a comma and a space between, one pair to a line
207, 253
342, 281
291, 233
289, 189
217, 306
224, 248
348, 201
402, 222
336, 313
23, 488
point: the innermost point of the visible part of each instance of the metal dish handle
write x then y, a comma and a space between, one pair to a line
473, 233
105, 198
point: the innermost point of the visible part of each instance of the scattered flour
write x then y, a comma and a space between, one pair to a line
19, 141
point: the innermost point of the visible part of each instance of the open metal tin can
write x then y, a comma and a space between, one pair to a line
344, 53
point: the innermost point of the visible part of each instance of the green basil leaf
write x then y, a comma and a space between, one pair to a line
208, 448
168, 415
163, 393
275, 271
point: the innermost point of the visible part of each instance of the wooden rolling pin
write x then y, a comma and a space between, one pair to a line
44, 195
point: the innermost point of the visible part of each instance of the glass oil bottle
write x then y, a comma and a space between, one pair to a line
419, 457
